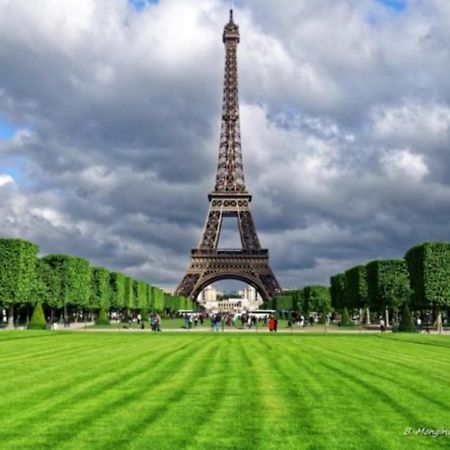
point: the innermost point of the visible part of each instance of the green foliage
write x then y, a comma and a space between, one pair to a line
37, 321
317, 298
72, 283
345, 319
47, 288
284, 302
406, 323
158, 296
429, 269
18, 260
117, 289
388, 284
129, 293
100, 286
337, 291
139, 294
356, 287
149, 293
102, 318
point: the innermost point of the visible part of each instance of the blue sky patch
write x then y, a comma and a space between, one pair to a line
140, 4
396, 5
7, 130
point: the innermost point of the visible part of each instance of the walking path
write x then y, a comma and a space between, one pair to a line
306, 330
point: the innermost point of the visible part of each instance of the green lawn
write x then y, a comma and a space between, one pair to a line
222, 391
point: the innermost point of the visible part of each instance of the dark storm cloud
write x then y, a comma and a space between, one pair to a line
345, 126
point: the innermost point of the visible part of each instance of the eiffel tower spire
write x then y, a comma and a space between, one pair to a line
230, 171
229, 199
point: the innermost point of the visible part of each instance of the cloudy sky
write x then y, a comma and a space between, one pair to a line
110, 121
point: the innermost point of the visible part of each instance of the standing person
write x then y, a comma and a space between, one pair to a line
216, 322
157, 322
382, 325
419, 324
271, 324
139, 317
249, 322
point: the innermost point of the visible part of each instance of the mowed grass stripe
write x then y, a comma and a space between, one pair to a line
150, 401
82, 397
306, 399
51, 375
84, 420
414, 381
40, 347
194, 402
397, 408
235, 423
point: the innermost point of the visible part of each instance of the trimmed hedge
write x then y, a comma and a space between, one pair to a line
102, 318
388, 284
101, 293
18, 260
345, 319
117, 289
406, 322
356, 288
72, 283
429, 268
37, 321
337, 291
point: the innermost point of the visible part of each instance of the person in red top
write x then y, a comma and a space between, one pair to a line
271, 324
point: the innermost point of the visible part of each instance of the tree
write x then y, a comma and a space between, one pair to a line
317, 298
102, 318
345, 319
388, 285
117, 289
100, 289
429, 270
158, 296
129, 294
337, 291
139, 294
18, 260
73, 279
406, 323
37, 321
356, 289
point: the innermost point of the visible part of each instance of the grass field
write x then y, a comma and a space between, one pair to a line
222, 391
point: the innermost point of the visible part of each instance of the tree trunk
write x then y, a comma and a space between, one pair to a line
11, 316
386, 314
361, 318
367, 316
439, 321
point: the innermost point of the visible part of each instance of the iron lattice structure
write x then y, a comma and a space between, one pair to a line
229, 199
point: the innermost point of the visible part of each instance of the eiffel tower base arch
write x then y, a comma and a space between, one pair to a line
207, 267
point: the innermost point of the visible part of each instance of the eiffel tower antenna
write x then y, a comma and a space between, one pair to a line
229, 198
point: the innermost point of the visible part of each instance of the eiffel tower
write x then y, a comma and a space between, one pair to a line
229, 198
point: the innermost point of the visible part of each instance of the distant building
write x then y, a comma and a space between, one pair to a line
169, 290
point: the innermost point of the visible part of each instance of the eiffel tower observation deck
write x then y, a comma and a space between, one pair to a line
230, 198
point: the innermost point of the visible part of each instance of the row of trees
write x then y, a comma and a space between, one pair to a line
63, 282
419, 282
306, 300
